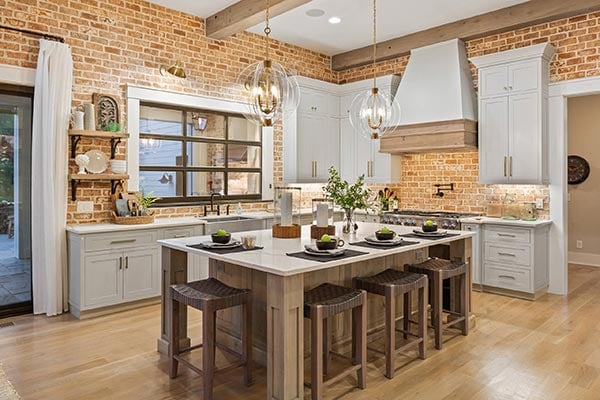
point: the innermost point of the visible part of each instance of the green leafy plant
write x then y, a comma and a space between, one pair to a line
347, 196
146, 199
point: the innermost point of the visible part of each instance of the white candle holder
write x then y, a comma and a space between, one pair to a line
286, 216
322, 215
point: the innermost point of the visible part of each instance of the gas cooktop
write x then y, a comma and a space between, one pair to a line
435, 214
444, 219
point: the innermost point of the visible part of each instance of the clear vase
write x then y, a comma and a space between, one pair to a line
349, 223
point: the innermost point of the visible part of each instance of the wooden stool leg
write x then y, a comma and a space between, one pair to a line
208, 348
438, 305
359, 339
407, 314
390, 333
247, 341
423, 321
464, 303
316, 338
174, 339
326, 346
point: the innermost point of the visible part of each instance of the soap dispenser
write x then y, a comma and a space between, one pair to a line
239, 210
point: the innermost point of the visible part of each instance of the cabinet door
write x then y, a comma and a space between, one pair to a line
327, 149
311, 131
364, 148
381, 166
102, 279
313, 101
525, 139
142, 274
493, 140
493, 81
347, 150
523, 76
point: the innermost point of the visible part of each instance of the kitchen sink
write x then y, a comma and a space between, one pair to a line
232, 223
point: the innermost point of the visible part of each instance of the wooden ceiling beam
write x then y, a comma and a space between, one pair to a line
525, 14
245, 14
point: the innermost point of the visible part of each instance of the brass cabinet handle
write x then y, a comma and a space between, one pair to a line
507, 254
506, 88
507, 235
120, 262
316, 168
182, 235
123, 241
505, 166
126, 262
510, 169
507, 277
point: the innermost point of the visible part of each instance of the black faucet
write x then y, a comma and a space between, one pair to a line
212, 202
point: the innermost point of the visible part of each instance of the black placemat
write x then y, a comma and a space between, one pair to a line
368, 245
347, 254
238, 249
413, 236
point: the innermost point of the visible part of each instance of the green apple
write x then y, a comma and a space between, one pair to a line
428, 223
221, 232
325, 238
385, 229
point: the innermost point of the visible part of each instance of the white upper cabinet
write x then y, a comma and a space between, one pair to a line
513, 99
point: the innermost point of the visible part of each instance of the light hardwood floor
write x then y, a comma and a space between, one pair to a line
548, 349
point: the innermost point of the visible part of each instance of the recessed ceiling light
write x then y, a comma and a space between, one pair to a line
335, 20
315, 12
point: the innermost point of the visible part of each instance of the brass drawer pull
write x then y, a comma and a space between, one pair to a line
123, 241
182, 235
506, 235
507, 254
126, 262
507, 277
120, 262
505, 166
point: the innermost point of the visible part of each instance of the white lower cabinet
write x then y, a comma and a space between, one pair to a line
102, 279
515, 260
141, 273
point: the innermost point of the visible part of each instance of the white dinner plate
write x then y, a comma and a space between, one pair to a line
230, 245
98, 162
372, 239
438, 233
313, 251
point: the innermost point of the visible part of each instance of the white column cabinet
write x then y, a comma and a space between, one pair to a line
513, 98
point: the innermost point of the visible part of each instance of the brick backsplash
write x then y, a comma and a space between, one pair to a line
120, 42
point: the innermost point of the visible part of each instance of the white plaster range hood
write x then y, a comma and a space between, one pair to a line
437, 102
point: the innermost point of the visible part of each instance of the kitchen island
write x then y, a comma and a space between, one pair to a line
279, 281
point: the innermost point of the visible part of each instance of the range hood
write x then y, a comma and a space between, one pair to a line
437, 102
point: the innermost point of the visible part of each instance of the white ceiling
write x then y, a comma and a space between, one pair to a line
394, 18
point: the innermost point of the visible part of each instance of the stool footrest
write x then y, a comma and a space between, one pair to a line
341, 375
201, 373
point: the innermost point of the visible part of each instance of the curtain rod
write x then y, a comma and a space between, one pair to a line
33, 33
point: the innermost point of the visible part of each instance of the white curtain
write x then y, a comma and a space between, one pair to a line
49, 169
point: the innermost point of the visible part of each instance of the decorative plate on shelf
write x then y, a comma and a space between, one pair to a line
98, 162
578, 170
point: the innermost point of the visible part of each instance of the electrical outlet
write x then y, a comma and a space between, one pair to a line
539, 204
580, 244
85, 206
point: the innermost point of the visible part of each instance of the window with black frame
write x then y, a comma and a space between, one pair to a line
185, 155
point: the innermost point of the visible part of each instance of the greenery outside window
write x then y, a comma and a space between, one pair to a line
186, 155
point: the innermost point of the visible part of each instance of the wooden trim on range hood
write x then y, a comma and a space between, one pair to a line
429, 137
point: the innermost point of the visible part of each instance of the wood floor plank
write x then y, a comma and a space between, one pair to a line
548, 349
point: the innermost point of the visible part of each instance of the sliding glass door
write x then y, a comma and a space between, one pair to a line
15, 201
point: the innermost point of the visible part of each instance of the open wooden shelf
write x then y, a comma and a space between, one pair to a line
114, 137
98, 134
115, 181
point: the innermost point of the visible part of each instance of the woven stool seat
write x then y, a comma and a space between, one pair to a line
333, 299
199, 293
400, 282
447, 268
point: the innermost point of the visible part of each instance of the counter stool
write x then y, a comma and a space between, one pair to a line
391, 283
321, 303
437, 270
208, 296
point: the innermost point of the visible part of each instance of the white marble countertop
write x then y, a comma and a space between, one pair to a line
273, 259
508, 222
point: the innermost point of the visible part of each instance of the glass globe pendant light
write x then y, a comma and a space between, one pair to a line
372, 112
267, 88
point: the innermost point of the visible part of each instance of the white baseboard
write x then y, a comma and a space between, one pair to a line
592, 260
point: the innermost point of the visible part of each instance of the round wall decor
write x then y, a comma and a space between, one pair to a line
578, 170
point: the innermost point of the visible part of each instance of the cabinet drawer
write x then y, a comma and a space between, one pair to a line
512, 255
507, 235
507, 278
120, 241
175, 233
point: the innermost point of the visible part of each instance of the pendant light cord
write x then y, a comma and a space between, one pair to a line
267, 29
374, 42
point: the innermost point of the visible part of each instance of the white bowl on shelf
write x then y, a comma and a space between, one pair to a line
118, 166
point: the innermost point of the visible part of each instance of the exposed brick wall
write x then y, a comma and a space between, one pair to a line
119, 42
